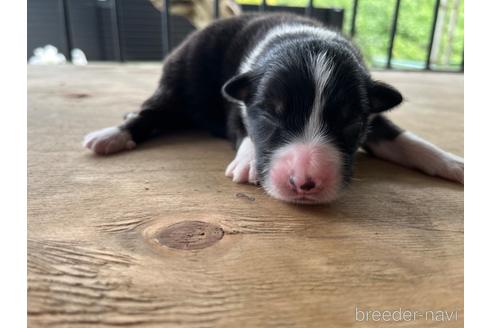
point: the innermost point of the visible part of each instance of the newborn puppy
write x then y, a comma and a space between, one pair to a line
294, 98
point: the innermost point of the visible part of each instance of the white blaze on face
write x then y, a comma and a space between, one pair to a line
275, 32
321, 70
309, 168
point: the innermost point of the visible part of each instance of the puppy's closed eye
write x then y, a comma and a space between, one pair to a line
268, 119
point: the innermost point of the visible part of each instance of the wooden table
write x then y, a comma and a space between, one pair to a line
101, 253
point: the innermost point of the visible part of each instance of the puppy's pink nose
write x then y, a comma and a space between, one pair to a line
305, 172
302, 184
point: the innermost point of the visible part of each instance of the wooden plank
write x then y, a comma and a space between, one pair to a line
97, 250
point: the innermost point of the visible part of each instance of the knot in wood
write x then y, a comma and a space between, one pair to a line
189, 235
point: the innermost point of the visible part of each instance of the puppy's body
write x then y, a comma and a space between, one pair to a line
295, 99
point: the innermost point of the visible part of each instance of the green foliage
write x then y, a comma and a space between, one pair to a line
373, 25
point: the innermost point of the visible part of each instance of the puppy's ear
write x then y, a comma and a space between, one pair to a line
383, 97
239, 89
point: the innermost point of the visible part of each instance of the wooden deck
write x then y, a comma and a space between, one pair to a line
102, 252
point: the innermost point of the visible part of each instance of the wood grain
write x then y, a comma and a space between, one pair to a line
394, 240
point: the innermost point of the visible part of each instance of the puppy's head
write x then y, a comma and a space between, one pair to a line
307, 113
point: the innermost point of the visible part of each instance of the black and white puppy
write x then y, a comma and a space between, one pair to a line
295, 99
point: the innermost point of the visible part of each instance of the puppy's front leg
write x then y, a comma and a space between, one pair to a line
243, 168
389, 142
160, 113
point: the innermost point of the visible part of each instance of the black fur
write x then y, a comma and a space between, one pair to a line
278, 92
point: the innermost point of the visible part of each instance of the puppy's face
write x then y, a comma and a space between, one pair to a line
307, 117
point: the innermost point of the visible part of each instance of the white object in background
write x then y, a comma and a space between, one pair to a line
78, 57
47, 55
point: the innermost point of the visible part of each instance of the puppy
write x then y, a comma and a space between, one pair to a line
294, 98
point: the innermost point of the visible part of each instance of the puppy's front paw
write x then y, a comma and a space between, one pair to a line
242, 171
108, 141
243, 168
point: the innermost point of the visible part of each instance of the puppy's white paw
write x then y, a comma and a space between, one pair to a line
454, 169
108, 141
243, 168
242, 171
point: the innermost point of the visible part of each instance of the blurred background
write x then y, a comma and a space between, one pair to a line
392, 34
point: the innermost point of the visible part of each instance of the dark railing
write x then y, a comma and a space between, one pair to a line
394, 26
354, 17
115, 27
63, 5
166, 27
